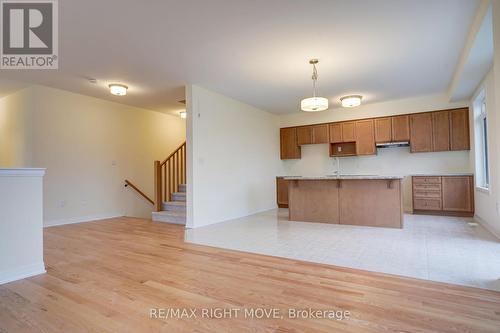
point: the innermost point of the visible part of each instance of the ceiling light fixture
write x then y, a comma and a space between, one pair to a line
183, 114
118, 89
351, 101
314, 104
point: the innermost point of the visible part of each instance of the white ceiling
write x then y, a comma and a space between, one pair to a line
257, 51
479, 60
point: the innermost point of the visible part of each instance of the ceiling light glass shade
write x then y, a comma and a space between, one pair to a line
351, 101
118, 89
313, 104
183, 114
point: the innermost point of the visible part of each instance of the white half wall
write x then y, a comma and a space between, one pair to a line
233, 158
21, 224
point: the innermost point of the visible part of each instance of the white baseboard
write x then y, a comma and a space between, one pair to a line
22, 272
53, 223
484, 224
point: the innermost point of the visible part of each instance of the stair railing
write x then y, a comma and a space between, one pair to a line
168, 175
129, 183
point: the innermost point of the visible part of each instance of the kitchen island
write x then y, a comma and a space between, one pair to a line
374, 201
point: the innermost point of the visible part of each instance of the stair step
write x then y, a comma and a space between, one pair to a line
174, 206
170, 217
182, 188
178, 196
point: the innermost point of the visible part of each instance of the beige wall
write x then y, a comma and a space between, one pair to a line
390, 161
233, 158
487, 200
15, 131
89, 147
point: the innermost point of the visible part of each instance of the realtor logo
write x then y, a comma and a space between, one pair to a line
29, 38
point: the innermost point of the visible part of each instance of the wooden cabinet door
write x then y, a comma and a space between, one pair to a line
335, 130
282, 192
289, 149
320, 134
349, 131
304, 135
458, 194
383, 130
459, 129
400, 128
421, 132
370, 200
365, 137
441, 131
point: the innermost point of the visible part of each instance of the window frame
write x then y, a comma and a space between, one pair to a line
483, 182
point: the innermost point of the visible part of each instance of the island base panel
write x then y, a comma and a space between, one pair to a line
313, 201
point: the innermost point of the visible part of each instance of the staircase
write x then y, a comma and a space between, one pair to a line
170, 188
173, 211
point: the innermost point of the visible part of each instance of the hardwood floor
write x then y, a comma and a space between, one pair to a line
106, 276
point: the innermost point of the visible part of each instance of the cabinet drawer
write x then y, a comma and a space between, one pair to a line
427, 194
427, 180
427, 204
427, 187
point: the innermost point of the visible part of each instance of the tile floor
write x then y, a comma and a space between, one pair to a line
436, 248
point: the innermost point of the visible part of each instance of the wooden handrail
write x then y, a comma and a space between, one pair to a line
173, 153
128, 183
168, 175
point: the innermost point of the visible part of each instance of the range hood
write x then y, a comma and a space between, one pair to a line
393, 144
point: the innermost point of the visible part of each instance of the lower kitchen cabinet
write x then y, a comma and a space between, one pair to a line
282, 192
443, 195
458, 194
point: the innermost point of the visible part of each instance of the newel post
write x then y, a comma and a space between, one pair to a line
157, 173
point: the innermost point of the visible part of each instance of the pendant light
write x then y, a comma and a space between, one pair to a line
314, 104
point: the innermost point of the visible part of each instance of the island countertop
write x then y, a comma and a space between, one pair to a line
343, 177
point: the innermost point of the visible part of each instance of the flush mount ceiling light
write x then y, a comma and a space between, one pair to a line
183, 114
351, 101
314, 104
118, 89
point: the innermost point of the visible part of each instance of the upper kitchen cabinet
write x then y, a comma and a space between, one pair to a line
304, 135
365, 137
343, 132
314, 134
392, 129
320, 134
421, 132
349, 131
441, 131
289, 149
335, 132
400, 128
383, 130
459, 129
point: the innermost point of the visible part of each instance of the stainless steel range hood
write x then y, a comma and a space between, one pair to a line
393, 144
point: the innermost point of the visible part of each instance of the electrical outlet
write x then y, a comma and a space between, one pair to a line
113, 163
63, 204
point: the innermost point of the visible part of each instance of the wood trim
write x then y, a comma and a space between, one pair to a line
128, 183
172, 154
157, 186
